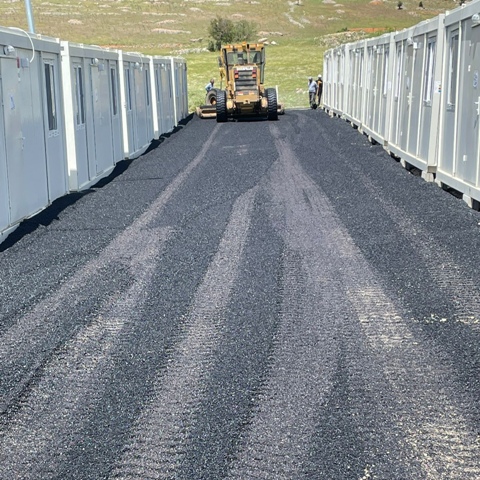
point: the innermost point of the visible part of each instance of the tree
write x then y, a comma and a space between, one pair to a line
244, 31
223, 31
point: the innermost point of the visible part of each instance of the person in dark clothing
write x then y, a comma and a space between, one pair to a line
319, 89
312, 92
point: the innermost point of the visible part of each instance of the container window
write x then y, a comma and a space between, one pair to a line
360, 66
157, 84
452, 68
51, 97
147, 86
386, 59
128, 90
79, 96
428, 81
398, 79
114, 90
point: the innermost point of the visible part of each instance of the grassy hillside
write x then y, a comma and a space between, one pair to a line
299, 30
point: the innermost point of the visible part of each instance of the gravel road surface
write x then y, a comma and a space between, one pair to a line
247, 300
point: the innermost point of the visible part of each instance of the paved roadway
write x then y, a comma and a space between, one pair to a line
249, 300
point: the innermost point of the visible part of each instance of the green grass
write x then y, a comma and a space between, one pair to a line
302, 29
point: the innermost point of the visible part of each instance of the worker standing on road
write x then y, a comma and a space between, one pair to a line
312, 92
319, 90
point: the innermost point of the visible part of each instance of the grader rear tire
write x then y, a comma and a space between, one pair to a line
272, 104
221, 106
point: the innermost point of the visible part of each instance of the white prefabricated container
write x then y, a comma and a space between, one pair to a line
377, 88
416, 99
92, 106
336, 84
459, 149
327, 81
136, 99
354, 79
32, 145
179, 72
162, 71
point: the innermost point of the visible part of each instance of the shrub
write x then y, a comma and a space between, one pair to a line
223, 31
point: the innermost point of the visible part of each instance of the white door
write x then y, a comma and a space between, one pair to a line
81, 146
53, 130
129, 96
416, 97
101, 118
4, 203
447, 158
406, 96
469, 102
427, 96
117, 143
14, 139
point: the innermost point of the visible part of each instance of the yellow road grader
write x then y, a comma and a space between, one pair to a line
242, 68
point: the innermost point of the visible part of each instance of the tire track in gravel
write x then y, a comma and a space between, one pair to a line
436, 425
160, 438
276, 444
27, 345
436, 435
73, 382
439, 428
449, 275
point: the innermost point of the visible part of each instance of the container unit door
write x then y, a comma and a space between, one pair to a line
341, 61
4, 200
398, 78
168, 95
334, 83
140, 106
148, 104
384, 92
35, 176
184, 90
26, 162
415, 97
377, 89
13, 136
160, 107
447, 163
179, 90
131, 123
101, 118
370, 88
350, 84
427, 96
53, 130
116, 123
178, 102
406, 97
81, 145
338, 91
469, 102
359, 78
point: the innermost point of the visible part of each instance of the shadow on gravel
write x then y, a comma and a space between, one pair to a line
181, 124
51, 213
44, 218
